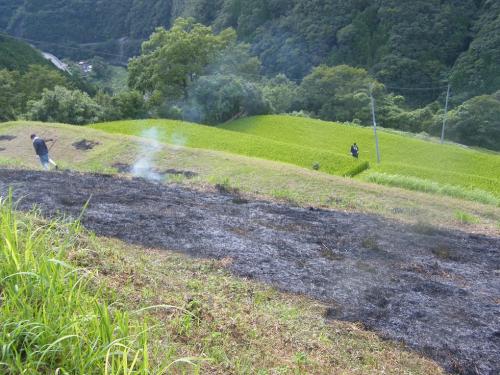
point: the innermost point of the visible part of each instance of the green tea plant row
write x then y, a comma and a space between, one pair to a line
428, 186
443, 177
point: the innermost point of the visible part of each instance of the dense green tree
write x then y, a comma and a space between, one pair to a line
171, 60
19, 56
338, 93
127, 105
404, 43
477, 71
416, 121
281, 93
218, 98
65, 106
38, 78
9, 95
477, 122
100, 68
236, 59
18, 88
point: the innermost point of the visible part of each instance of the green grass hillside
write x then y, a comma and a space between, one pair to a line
401, 154
258, 178
304, 142
207, 137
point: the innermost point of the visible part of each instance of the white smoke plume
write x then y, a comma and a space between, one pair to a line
144, 167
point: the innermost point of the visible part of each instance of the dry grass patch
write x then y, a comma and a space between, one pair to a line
238, 326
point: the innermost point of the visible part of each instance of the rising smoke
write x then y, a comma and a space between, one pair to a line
146, 163
144, 167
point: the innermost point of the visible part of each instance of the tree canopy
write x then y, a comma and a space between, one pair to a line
172, 59
402, 43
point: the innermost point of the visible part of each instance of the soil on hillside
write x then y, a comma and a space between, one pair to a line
85, 145
127, 168
436, 291
7, 138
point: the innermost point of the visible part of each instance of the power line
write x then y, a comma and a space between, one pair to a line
417, 88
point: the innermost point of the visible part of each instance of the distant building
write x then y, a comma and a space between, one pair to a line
85, 67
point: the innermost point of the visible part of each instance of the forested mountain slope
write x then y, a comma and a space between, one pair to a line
19, 56
406, 43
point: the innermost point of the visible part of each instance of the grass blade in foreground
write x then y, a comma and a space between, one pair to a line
51, 319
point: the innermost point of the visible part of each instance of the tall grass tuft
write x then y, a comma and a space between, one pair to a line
419, 184
52, 319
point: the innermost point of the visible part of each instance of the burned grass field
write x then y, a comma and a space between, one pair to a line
435, 290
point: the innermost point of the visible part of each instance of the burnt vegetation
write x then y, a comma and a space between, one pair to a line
446, 289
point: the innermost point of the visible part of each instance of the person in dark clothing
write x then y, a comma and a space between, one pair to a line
355, 150
42, 151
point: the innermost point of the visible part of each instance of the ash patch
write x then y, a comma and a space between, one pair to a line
437, 291
85, 145
122, 167
7, 137
175, 172
126, 168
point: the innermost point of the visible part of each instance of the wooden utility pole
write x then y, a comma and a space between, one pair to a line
372, 99
445, 113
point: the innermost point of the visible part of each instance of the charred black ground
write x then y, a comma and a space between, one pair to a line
126, 168
437, 291
85, 145
7, 137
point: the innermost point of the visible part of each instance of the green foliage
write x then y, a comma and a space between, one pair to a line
415, 121
37, 79
338, 93
236, 59
465, 218
403, 43
16, 55
217, 99
477, 122
190, 73
18, 88
171, 60
52, 319
477, 71
128, 105
64, 106
9, 95
281, 93
101, 70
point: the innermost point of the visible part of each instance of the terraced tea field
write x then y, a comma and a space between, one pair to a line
201, 136
402, 154
312, 143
